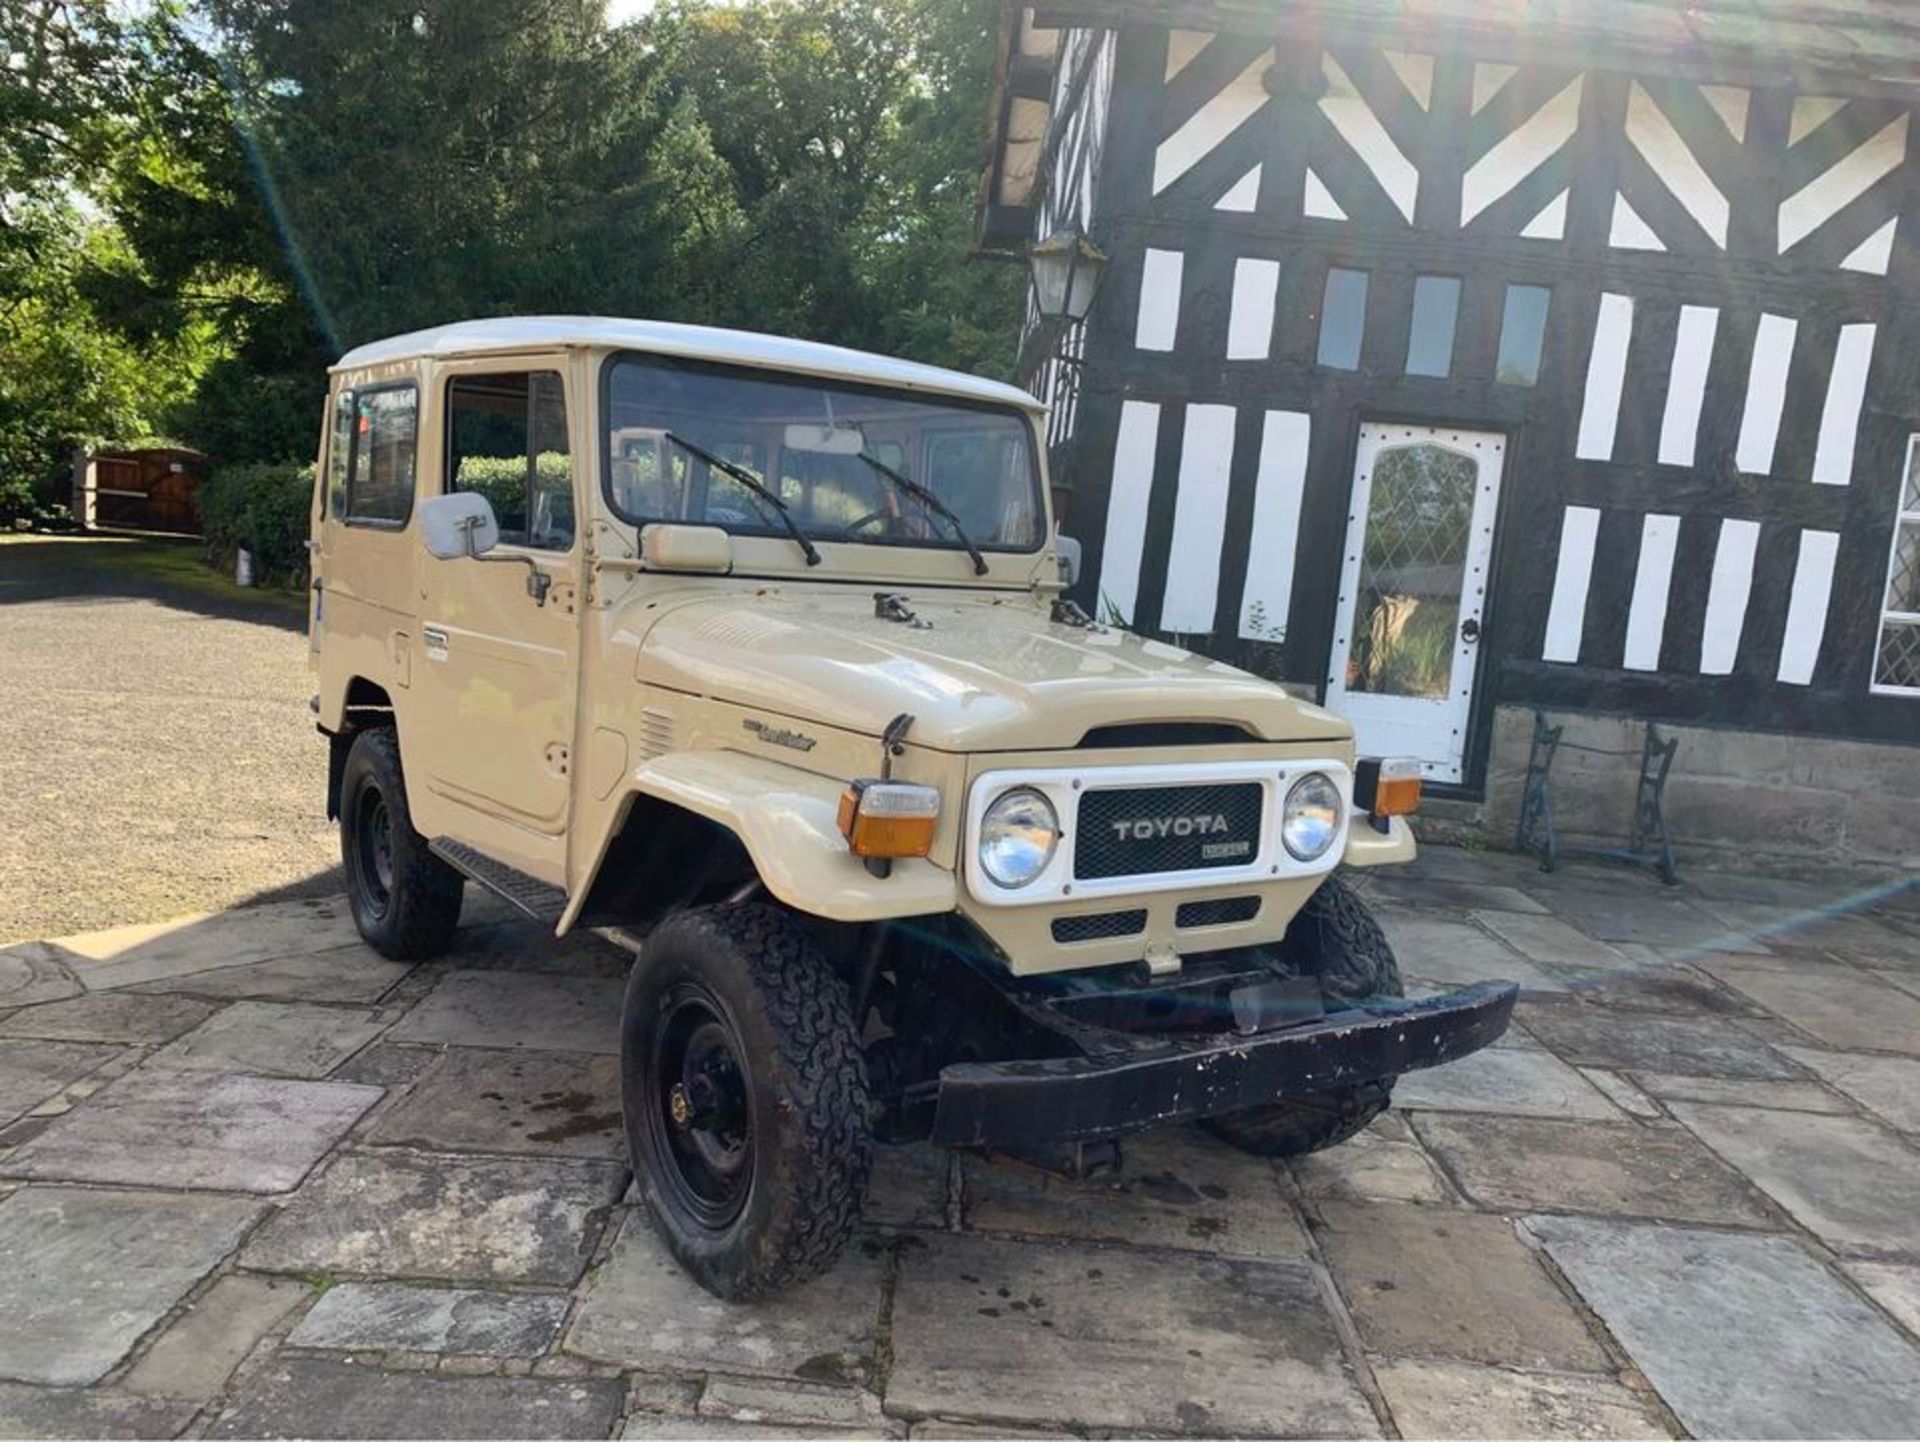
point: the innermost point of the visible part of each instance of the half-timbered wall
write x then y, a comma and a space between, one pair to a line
1676, 300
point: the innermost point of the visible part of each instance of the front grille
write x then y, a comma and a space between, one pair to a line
1144, 830
1219, 912
1101, 926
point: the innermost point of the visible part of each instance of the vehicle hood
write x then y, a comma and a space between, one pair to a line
984, 673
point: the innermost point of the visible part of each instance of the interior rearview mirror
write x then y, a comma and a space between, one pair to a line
461, 524
833, 440
1069, 552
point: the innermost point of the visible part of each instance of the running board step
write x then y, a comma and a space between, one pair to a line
524, 893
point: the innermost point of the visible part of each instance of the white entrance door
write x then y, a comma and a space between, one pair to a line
1413, 584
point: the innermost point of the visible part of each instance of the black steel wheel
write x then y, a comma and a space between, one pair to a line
1335, 938
745, 1098
405, 900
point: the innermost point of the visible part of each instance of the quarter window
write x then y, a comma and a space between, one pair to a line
1896, 666
507, 441
380, 474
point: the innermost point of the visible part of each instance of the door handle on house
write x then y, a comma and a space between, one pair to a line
1470, 630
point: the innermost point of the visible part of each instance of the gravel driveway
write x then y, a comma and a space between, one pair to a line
156, 752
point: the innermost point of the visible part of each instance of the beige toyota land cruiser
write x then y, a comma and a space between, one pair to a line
759, 657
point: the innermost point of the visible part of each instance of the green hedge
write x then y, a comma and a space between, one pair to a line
264, 507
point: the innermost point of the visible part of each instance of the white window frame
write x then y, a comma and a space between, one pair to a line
1903, 518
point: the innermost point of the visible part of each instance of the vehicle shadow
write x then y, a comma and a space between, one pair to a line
169, 571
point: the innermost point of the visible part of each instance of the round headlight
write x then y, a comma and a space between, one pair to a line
1018, 836
1311, 817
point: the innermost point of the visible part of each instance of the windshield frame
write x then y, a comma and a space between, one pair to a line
942, 541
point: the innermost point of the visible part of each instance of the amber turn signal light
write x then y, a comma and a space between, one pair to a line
888, 818
1387, 786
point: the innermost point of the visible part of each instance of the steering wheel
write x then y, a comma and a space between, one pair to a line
853, 528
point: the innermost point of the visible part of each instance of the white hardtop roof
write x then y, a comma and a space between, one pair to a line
698, 342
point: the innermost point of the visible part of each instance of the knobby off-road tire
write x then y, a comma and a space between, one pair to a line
1337, 939
405, 900
754, 1175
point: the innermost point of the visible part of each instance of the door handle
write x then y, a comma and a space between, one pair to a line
1470, 630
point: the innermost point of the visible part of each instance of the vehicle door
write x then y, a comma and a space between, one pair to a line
498, 662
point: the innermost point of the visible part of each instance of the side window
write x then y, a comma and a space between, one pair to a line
380, 479
339, 453
507, 441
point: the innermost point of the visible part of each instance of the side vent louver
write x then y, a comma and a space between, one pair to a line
656, 733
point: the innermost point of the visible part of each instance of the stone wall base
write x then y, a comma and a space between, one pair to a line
1742, 800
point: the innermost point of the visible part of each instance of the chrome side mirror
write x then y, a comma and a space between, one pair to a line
1068, 549
462, 525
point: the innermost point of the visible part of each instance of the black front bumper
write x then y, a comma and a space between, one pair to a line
1015, 1105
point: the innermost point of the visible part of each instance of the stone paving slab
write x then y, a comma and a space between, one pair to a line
1464, 1399
1895, 1286
98, 1413
353, 975
1841, 1007
1384, 1163
1743, 1336
187, 945
647, 1427
1549, 940
209, 1132
270, 1038
32, 1071
1177, 1187
109, 1017
34, 972
397, 1316
1521, 1164
538, 1103
416, 1214
1787, 1096
1849, 937
1430, 1282
1459, 896
642, 1310
1118, 1338
1653, 982
509, 1009
1507, 1080
1454, 953
1848, 1181
1657, 918
84, 1274
1642, 1041
200, 1349
313, 1397
1887, 1086
1622, 1092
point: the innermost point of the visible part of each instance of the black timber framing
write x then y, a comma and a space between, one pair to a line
1542, 476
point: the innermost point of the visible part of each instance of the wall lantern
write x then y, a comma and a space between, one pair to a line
1067, 268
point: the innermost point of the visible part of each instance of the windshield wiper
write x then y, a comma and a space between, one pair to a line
754, 485
934, 504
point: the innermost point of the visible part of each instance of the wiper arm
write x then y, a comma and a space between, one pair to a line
754, 485
934, 504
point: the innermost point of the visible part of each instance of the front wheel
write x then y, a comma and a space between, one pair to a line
745, 1098
1336, 939
405, 900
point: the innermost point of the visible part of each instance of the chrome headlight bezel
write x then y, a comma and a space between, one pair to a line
996, 826
1311, 816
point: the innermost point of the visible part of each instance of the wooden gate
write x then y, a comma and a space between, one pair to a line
145, 490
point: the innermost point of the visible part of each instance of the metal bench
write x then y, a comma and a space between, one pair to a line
1648, 844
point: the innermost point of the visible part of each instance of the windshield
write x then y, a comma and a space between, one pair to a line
814, 445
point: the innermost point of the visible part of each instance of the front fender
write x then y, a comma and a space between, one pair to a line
787, 820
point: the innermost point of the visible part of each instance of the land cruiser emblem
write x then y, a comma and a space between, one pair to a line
774, 736
1155, 827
